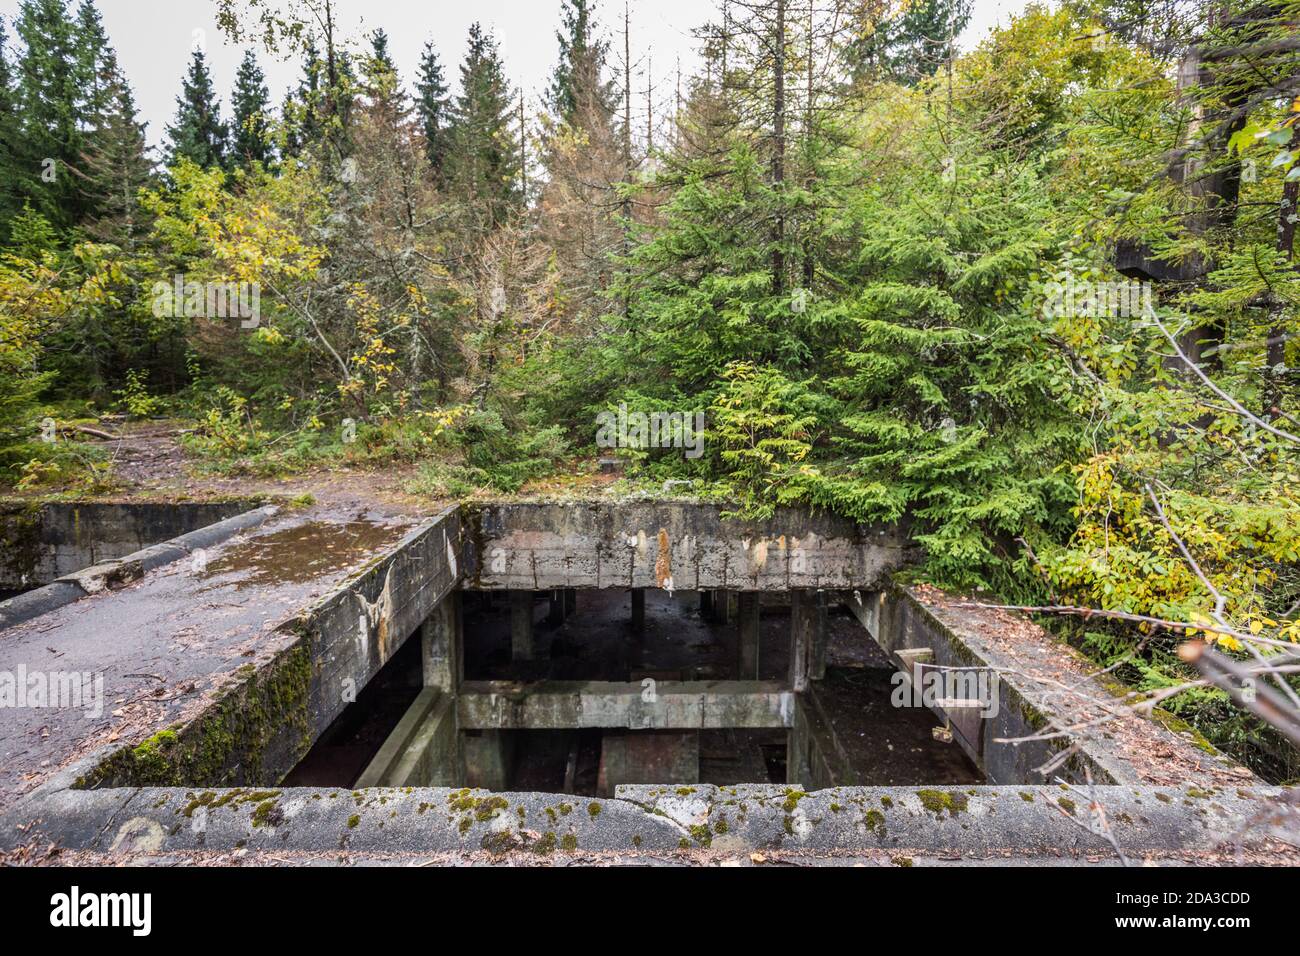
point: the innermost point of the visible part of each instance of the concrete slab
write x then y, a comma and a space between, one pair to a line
260, 641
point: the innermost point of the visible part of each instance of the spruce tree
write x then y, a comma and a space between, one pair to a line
905, 42
10, 200
434, 108
114, 169
250, 104
198, 133
50, 139
484, 163
578, 45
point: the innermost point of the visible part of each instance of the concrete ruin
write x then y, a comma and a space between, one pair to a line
552, 677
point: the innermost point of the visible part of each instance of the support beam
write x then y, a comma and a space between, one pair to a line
441, 645
422, 750
638, 610
555, 613
817, 669
521, 625
803, 635
665, 705
748, 638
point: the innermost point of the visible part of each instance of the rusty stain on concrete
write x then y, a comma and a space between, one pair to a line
663, 563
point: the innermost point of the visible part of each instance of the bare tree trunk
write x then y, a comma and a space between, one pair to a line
778, 147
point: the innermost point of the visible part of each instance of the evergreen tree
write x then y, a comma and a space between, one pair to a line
579, 46
50, 138
434, 109
250, 103
905, 42
10, 200
114, 169
198, 133
301, 109
379, 52
484, 163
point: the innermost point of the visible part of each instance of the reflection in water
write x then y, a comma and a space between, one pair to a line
298, 554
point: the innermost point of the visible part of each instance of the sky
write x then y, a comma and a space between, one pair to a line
153, 39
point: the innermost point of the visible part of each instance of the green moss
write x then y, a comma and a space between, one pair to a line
490, 808
229, 741
886, 802
568, 842
1026, 796
901, 861
593, 810
636, 839
1163, 798
792, 798
702, 835
685, 791
546, 845
875, 822
721, 826
353, 821
937, 801
1066, 804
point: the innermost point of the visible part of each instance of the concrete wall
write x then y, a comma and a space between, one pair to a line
672, 545
41, 543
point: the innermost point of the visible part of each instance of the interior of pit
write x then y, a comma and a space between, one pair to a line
684, 636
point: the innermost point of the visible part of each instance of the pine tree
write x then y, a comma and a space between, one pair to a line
198, 133
484, 162
250, 103
10, 200
434, 109
579, 47
379, 52
50, 138
115, 167
905, 42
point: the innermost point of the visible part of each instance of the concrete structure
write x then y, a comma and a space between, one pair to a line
320, 602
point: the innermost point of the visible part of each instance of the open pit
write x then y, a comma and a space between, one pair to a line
623, 677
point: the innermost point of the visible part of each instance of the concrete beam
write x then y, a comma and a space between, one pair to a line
665, 705
672, 545
421, 751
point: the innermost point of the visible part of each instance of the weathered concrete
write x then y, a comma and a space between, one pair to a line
974, 821
922, 636
489, 758
648, 756
422, 749
672, 545
669, 705
749, 632
41, 543
233, 670
115, 573
522, 606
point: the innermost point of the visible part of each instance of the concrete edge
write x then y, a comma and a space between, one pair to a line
73, 587
904, 820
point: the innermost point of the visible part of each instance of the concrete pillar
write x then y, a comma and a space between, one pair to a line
798, 751
489, 758
803, 630
521, 625
721, 607
570, 601
706, 605
555, 614
820, 638
441, 645
638, 610
747, 663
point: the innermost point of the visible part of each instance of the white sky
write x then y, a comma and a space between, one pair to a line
153, 40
